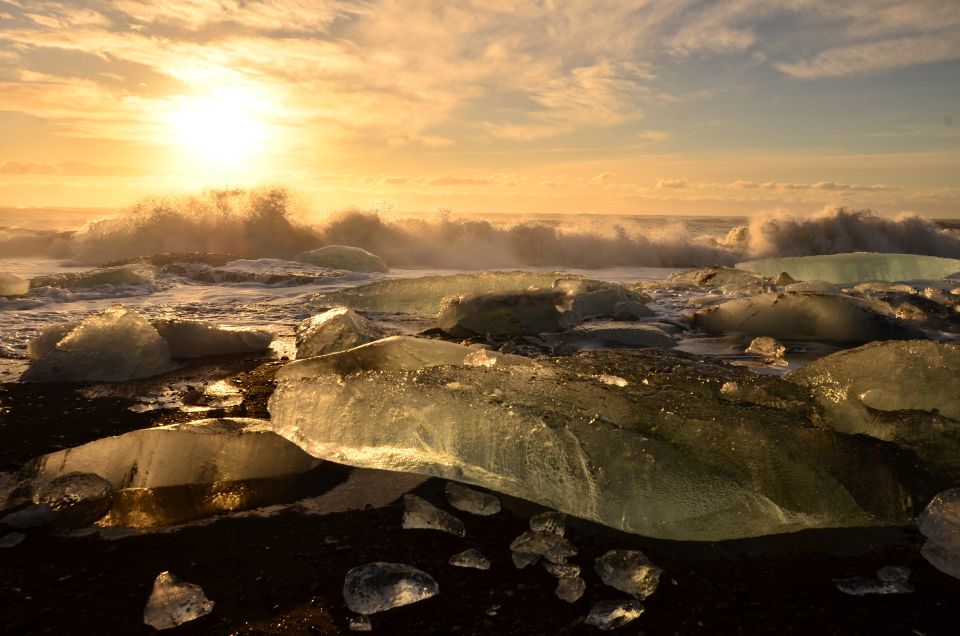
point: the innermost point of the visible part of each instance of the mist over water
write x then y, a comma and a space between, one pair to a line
272, 224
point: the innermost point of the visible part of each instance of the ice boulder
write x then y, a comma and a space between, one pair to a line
377, 587
502, 314
129, 274
857, 267
48, 338
660, 453
351, 259
602, 334
335, 330
832, 317
904, 392
115, 345
940, 524
593, 298
196, 339
10, 285
174, 602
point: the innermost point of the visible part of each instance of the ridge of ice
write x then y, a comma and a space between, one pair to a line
857, 267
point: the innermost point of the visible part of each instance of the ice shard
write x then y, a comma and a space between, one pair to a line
335, 330
352, 259
174, 602
662, 453
857, 267
195, 338
377, 587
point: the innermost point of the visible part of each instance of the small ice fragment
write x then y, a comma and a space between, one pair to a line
30, 517
174, 602
562, 570
613, 380
523, 559
608, 615
421, 514
894, 574
12, 539
377, 587
629, 571
864, 585
547, 544
940, 524
554, 522
472, 501
766, 347
360, 623
471, 558
570, 588
78, 498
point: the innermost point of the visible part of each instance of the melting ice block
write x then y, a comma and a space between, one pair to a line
352, 259
335, 330
834, 318
940, 524
174, 602
11, 285
857, 267
608, 615
904, 392
420, 514
472, 501
629, 571
502, 314
195, 338
661, 453
116, 345
377, 587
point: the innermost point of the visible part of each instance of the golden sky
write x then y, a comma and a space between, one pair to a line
682, 107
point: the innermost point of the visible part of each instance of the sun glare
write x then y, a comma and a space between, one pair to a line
221, 130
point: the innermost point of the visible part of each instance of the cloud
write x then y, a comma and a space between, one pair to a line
743, 184
671, 183
449, 181
66, 169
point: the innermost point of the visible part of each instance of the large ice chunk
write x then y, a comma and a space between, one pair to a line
377, 587
502, 314
857, 267
353, 259
940, 524
335, 330
174, 602
195, 339
116, 345
904, 392
11, 285
661, 453
129, 274
834, 318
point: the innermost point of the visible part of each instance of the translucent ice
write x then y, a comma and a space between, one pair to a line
502, 314
662, 454
335, 330
174, 602
609, 615
263, 271
129, 274
471, 558
857, 267
116, 345
473, 501
549, 545
10, 285
421, 514
940, 524
194, 338
554, 522
834, 318
629, 571
353, 259
79, 499
377, 587
570, 588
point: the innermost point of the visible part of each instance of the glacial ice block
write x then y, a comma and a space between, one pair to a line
660, 454
345, 257
115, 345
11, 285
834, 318
195, 338
904, 392
502, 314
857, 267
335, 330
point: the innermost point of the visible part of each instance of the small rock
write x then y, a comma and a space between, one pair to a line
555, 522
562, 570
546, 544
767, 348
523, 559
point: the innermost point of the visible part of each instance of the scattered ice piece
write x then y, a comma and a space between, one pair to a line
608, 615
11, 285
471, 558
552, 546
421, 514
473, 501
856, 267
562, 570
570, 588
79, 499
523, 559
338, 329
195, 338
766, 347
35, 516
174, 602
894, 574
12, 539
551, 521
940, 524
868, 585
116, 345
524, 313
360, 623
629, 571
351, 259
376, 587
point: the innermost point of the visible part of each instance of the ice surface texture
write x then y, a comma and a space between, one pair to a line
856, 267
335, 330
174, 602
377, 587
940, 524
503, 314
663, 455
353, 259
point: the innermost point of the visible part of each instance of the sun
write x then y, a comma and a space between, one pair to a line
223, 129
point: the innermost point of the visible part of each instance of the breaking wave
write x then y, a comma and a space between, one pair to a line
272, 224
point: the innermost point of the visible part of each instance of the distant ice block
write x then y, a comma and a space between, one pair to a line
353, 259
588, 298
570, 588
377, 587
502, 314
473, 501
833, 318
195, 338
940, 524
857, 267
335, 330
420, 514
610, 615
174, 602
11, 285
116, 345
471, 558
129, 274
629, 571
662, 454
904, 392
